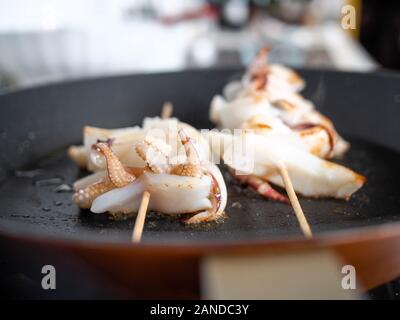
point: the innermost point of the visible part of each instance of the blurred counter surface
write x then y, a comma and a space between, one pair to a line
59, 43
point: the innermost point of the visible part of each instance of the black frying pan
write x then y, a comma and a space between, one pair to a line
38, 124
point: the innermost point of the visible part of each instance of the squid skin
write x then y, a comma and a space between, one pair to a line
123, 144
272, 90
318, 135
317, 139
170, 194
88, 180
79, 155
125, 139
310, 175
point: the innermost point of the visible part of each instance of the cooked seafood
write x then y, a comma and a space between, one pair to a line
272, 91
286, 139
186, 184
114, 176
311, 175
125, 139
282, 127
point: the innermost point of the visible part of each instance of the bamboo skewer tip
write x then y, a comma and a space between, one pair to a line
167, 110
294, 201
141, 216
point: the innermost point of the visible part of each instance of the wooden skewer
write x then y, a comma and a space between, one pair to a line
141, 216
167, 110
305, 227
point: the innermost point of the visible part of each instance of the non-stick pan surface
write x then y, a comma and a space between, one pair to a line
38, 124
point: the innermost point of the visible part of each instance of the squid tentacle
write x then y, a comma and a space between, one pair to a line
116, 171
117, 176
261, 186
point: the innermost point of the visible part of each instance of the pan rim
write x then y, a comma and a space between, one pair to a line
385, 231
381, 72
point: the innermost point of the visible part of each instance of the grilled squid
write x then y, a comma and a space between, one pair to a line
274, 80
316, 139
188, 185
311, 176
273, 91
282, 128
125, 139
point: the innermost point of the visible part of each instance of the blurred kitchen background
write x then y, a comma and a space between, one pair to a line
53, 40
